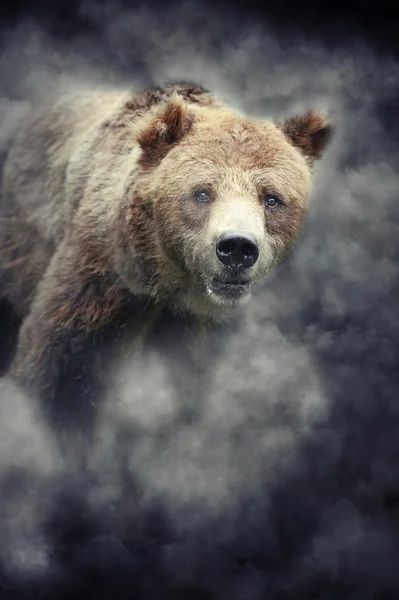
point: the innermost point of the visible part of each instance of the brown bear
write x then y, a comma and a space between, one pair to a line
115, 204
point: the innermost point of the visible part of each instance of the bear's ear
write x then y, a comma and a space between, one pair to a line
310, 133
163, 130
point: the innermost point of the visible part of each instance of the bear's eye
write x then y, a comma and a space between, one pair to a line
271, 201
202, 196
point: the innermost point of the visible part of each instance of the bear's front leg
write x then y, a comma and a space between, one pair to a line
73, 321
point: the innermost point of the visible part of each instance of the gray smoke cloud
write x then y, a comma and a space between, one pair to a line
274, 473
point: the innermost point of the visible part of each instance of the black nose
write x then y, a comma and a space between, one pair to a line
237, 250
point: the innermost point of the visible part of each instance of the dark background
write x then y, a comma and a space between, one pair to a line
335, 22
97, 556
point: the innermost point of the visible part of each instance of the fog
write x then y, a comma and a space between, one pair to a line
272, 471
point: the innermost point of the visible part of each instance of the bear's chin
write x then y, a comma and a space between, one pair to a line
207, 303
228, 293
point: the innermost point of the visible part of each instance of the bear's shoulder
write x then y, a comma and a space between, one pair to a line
136, 104
191, 92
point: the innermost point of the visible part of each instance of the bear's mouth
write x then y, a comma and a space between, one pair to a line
232, 289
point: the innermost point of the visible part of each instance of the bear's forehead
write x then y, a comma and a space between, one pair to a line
235, 154
242, 143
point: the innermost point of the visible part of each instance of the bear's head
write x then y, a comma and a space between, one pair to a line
226, 196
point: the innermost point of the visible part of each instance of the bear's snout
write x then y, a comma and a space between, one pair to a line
237, 250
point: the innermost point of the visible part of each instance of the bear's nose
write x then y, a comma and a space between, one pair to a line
237, 250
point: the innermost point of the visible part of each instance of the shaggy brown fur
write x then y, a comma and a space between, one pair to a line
100, 217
